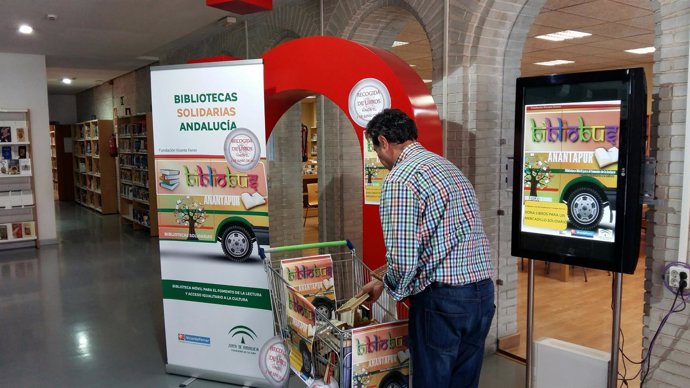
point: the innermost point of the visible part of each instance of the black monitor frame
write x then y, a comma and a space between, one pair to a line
628, 86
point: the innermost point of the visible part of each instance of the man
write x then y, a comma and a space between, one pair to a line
437, 254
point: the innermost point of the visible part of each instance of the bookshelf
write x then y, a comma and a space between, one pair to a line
17, 200
310, 166
53, 163
95, 185
137, 185
61, 161
312, 141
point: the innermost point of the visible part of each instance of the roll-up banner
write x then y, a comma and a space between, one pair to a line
211, 170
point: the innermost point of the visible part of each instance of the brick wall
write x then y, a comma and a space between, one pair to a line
284, 153
95, 103
670, 361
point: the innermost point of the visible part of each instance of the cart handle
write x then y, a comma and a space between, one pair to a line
287, 248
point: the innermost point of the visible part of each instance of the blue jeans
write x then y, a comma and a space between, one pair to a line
447, 328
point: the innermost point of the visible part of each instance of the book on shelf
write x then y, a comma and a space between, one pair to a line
13, 167
25, 166
169, 178
140, 194
21, 198
126, 191
5, 199
141, 216
22, 153
5, 134
140, 145
20, 134
17, 231
140, 161
29, 229
4, 235
6, 152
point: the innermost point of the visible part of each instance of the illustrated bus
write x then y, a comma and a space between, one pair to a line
203, 200
570, 169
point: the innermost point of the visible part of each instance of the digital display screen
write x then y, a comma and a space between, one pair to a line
570, 169
579, 143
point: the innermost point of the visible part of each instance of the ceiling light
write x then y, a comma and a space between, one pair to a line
563, 35
67, 81
643, 50
397, 43
26, 29
427, 81
413, 65
554, 62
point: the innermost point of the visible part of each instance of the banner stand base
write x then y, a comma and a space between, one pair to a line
187, 382
197, 373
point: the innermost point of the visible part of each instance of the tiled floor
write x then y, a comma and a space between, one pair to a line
88, 312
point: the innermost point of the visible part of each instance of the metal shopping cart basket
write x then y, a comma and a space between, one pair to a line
332, 345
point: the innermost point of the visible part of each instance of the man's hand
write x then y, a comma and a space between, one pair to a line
374, 288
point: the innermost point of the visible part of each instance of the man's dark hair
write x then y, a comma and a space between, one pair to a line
396, 126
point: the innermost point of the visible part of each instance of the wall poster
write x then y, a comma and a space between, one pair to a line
374, 173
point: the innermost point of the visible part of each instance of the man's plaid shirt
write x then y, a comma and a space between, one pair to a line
431, 225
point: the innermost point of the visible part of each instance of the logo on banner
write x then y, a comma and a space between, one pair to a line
194, 339
274, 363
367, 98
242, 339
242, 149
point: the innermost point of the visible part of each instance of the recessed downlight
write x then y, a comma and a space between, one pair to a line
26, 29
67, 81
643, 50
556, 62
563, 35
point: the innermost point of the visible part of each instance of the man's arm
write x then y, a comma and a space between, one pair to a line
400, 210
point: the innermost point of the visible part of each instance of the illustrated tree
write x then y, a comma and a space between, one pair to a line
370, 171
190, 213
537, 175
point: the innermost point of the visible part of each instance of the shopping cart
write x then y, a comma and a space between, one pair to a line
332, 345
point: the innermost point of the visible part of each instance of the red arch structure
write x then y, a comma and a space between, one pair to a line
331, 67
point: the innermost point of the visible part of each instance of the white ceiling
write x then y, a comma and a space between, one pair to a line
94, 41
97, 40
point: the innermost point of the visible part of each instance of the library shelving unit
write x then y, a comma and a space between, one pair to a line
95, 184
61, 160
53, 163
17, 201
137, 186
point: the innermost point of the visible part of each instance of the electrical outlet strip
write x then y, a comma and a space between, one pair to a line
673, 275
